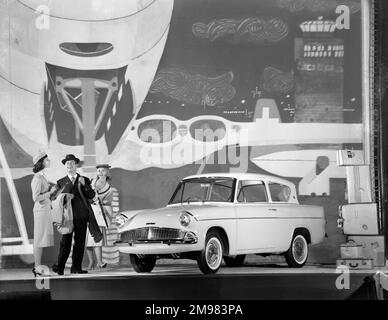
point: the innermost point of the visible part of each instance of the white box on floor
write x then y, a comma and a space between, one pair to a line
365, 264
359, 219
373, 248
351, 250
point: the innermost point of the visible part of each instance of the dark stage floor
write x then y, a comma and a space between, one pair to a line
170, 282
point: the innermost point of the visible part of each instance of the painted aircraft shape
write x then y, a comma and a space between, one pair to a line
315, 167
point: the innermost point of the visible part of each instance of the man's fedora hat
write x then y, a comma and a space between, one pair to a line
70, 157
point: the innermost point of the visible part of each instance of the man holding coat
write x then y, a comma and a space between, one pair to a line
83, 217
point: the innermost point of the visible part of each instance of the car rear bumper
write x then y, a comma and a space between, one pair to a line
156, 248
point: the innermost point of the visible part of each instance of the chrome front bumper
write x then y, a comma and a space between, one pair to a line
156, 248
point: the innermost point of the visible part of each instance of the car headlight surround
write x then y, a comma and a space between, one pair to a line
190, 237
121, 220
184, 219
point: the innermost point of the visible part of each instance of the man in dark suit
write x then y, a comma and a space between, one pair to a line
80, 187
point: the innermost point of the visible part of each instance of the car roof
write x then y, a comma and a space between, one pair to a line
243, 176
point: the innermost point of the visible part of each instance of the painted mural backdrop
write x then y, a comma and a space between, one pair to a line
162, 89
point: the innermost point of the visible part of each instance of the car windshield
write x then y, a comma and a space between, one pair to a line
204, 189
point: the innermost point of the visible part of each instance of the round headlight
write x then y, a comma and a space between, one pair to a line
120, 221
184, 219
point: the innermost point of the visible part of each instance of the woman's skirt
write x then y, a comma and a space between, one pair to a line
43, 228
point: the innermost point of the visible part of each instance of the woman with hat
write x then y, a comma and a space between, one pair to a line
42, 191
103, 201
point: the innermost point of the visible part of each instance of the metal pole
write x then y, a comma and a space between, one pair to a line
366, 69
88, 122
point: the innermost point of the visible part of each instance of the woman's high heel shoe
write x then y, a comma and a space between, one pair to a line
102, 266
36, 272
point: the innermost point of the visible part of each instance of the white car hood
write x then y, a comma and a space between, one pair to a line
167, 217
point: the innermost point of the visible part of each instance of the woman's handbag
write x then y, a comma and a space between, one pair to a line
99, 215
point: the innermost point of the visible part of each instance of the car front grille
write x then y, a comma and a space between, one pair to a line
152, 234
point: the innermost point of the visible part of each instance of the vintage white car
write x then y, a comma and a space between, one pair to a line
218, 216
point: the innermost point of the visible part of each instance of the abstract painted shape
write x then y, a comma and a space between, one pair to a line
266, 105
64, 104
23, 245
314, 182
133, 60
276, 81
151, 146
195, 89
315, 167
317, 5
252, 30
157, 131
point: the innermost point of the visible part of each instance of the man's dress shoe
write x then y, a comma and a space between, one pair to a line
56, 270
78, 271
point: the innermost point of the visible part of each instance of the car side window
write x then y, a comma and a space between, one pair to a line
252, 191
279, 192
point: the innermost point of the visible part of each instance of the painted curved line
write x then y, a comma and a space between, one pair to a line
154, 45
66, 47
15, 85
86, 20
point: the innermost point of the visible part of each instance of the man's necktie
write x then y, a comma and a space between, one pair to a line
72, 180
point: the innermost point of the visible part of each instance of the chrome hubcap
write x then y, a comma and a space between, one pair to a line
213, 253
299, 249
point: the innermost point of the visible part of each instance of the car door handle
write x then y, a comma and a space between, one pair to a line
272, 209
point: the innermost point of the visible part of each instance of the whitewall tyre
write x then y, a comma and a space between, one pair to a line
210, 258
296, 255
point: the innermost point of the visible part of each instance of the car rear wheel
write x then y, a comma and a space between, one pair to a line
210, 258
296, 255
143, 264
235, 261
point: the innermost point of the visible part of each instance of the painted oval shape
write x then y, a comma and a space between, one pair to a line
86, 49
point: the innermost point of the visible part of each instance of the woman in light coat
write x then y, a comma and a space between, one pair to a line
41, 195
104, 195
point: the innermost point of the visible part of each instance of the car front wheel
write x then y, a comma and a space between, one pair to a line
296, 255
210, 258
236, 261
144, 264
